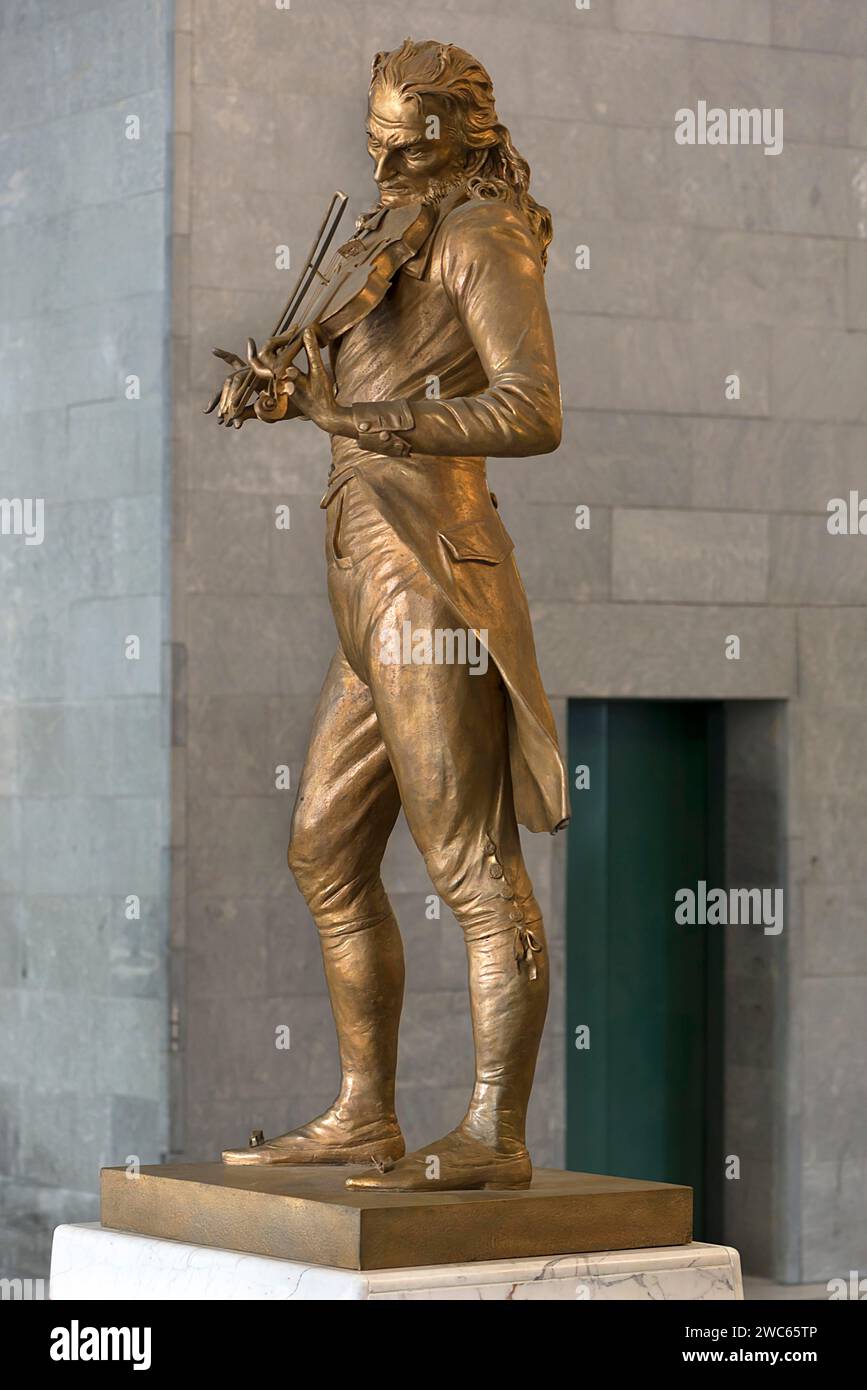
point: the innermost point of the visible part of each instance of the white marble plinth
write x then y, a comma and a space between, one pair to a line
90, 1262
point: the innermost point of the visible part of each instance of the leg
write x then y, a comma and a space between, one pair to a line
446, 733
346, 808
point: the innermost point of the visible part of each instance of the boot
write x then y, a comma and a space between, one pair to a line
364, 971
508, 978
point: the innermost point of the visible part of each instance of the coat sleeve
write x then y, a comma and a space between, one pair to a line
492, 274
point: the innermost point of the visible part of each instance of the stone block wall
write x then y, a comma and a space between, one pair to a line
84, 752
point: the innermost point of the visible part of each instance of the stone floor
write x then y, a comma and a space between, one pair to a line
766, 1291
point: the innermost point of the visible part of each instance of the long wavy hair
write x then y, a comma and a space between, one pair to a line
459, 81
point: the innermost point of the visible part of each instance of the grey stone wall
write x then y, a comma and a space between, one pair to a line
712, 521
84, 758
707, 519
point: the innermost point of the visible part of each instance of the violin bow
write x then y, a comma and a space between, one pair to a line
316, 255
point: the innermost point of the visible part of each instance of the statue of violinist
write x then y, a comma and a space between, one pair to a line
414, 543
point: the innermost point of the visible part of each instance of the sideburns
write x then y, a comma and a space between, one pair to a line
439, 188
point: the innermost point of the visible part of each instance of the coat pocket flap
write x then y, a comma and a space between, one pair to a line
485, 540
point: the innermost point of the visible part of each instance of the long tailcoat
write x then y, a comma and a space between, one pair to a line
467, 316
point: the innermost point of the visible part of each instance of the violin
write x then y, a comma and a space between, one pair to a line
330, 301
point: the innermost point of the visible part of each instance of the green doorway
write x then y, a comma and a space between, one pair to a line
644, 994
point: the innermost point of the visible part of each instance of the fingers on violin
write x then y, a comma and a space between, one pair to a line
261, 368
314, 356
270, 356
229, 391
288, 379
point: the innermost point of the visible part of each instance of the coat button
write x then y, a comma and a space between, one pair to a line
496, 871
490, 847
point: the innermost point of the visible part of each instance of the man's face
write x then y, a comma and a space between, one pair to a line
411, 154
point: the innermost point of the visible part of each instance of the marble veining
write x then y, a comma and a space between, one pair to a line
90, 1262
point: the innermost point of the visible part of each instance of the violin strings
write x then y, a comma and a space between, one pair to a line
315, 257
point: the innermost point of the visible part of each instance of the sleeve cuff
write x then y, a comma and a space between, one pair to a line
374, 423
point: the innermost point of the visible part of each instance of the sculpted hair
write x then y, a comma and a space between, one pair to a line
441, 70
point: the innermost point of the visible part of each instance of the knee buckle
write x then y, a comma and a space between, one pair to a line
527, 945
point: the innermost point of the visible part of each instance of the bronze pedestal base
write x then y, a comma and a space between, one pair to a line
307, 1214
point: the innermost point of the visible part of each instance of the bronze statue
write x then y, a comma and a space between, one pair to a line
452, 362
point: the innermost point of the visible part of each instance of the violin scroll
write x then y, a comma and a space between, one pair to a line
263, 373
